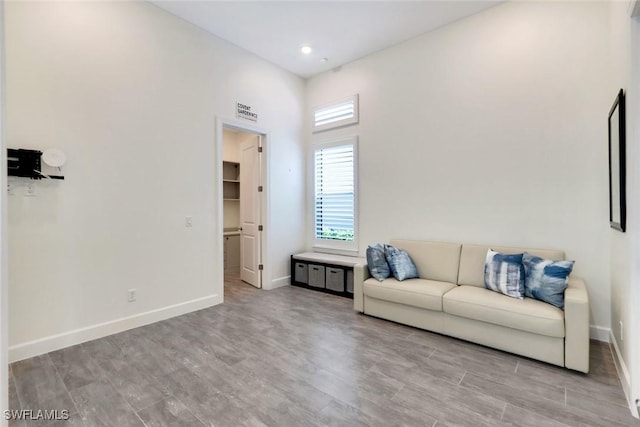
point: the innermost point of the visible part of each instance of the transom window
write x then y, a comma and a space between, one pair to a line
336, 114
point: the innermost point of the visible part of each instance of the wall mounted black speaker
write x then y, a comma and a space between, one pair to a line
24, 163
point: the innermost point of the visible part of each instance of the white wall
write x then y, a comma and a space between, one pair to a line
131, 94
621, 264
490, 130
633, 128
625, 248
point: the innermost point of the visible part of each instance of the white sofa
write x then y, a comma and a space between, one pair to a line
450, 298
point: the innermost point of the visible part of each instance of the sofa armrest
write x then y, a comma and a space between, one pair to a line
360, 274
576, 325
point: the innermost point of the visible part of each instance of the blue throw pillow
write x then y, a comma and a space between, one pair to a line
401, 264
546, 280
505, 274
377, 262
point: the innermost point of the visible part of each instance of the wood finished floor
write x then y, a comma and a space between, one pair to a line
295, 357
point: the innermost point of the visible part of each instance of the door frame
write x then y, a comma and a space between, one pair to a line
265, 203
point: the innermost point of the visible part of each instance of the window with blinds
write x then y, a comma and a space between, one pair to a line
335, 191
336, 114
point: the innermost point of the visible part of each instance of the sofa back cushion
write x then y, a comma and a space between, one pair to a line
473, 257
434, 260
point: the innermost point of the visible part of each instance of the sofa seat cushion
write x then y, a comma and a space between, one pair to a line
420, 293
528, 315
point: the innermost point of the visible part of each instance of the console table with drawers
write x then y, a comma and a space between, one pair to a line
324, 272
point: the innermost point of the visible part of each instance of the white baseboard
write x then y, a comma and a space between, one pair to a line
599, 333
280, 282
623, 373
78, 336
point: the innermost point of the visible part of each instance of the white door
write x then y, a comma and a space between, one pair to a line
250, 211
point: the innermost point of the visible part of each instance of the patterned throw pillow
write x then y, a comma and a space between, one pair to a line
505, 274
546, 280
377, 262
401, 264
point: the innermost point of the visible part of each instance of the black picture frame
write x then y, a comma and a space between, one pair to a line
617, 164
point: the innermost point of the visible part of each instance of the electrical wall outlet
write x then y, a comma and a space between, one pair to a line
11, 188
30, 190
132, 294
621, 331
188, 221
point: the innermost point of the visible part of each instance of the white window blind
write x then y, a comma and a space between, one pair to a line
340, 113
335, 193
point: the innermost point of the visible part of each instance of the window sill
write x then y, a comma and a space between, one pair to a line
334, 251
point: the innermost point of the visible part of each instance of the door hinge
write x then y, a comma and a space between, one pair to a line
260, 267
259, 149
259, 188
260, 228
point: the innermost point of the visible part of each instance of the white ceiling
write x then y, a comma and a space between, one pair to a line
341, 31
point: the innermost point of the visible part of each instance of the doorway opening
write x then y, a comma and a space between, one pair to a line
242, 166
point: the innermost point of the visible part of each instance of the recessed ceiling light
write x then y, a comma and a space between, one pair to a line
306, 50
324, 59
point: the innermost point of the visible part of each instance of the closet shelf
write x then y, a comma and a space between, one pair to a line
231, 181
